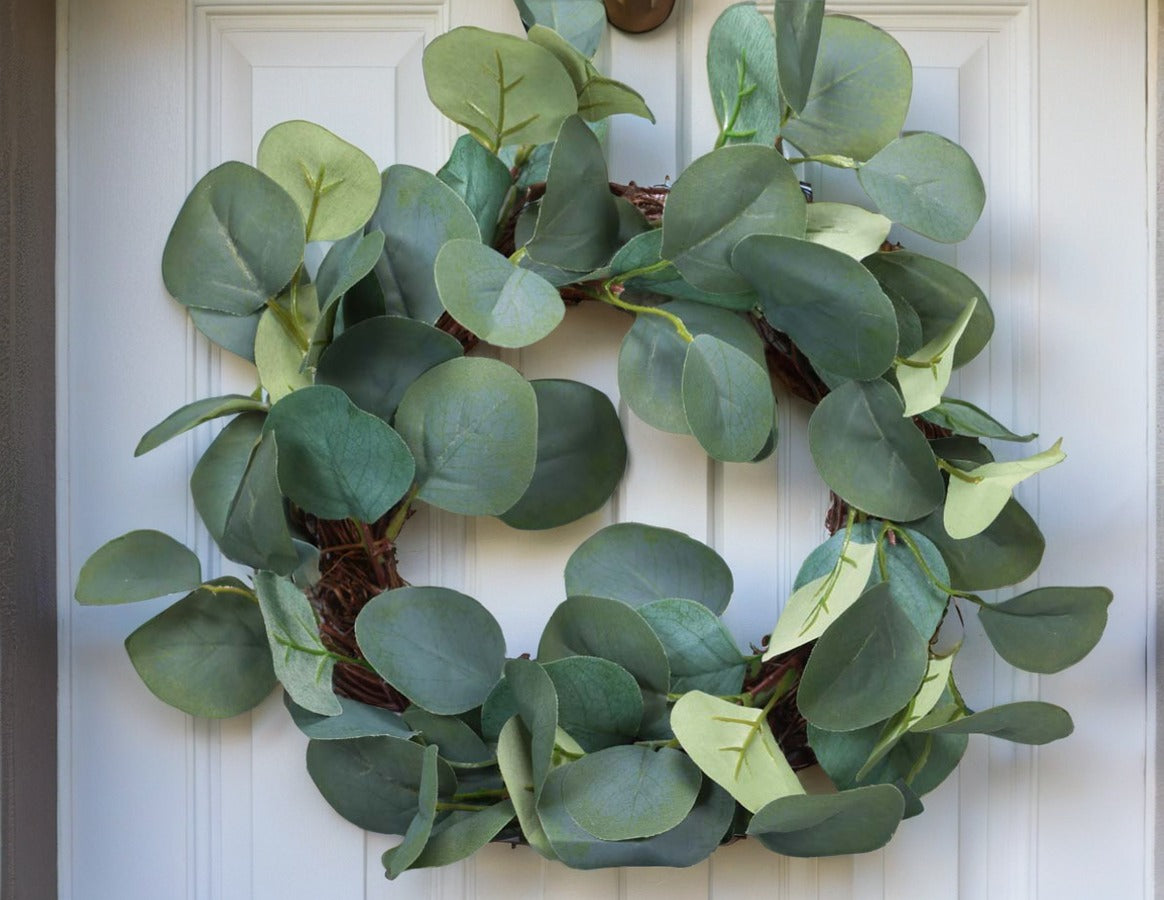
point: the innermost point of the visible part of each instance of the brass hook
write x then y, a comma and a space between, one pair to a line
637, 16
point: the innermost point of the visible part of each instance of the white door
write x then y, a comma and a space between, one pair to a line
1048, 95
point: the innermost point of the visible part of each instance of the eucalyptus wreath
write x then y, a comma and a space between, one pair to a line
640, 734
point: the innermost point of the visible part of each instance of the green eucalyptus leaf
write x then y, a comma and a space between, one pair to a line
418, 213
912, 582
872, 457
579, 22
219, 472
375, 361
639, 564
458, 743
727, 399
961, 449
348, 261
499, 707
721, 198
255, 531
966, 418
194, 414
975, 499
865, 668
502, 89
925, 374
374, 782
354, 720
481, 180
1047, 629
859, 94
472, 426
537, 706
581, 456
404, 854
599, 702
464, 833
1005, 553
854, 821
231, 332
735, 748
798, 28
598, 96
847, 229
742, 75
335, 460
702, 654
140, 565
1025, 722
302, 662
824, 300
642, 252
207, 654
938, 293
335, 184
440, 648
501, 303
366, 299
928, 184
236, 243
282, 342
629, 792
688, 843
514, 757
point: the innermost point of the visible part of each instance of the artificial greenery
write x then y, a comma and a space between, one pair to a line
639, 734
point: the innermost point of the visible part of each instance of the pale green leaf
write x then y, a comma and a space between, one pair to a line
924, 375
975, 498
847, 229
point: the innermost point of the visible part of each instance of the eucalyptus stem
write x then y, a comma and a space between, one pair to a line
743, 90
927, 571
660, 744
396, 523
230, 589
443, 805
288, 324
487, 794
608, 296
961, 475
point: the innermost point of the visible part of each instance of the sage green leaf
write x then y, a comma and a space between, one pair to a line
464, 833
207, 654
735, 748
688, 843
581, 456
283, 339
798, 27
577, 226
355, 720
598, 96
642, 252
499, 302
609, 629
909, 326
218, 474
480, 179
472, 426
912, 582
639, 564
652, 355
579, 22
458, 743
742, 75
938, 293
140, 565
628, 792
404, 854
499, 707
374, 782
727, 399
859, 94
872, 457
516, 764
700, 651
847, 229
925, 374
920, 762
958, 448
721, 198
375, 361
194, 414
302, 662
1025, 722
504, 90
928, 184
855, 821
231, 332
966, 418
814, 606
1005, 553
865, 668
599, 702
255, 532
440, 648
366, 299
824, 300
974, 500
335, 184
537, 706
335, 460
1047, 629
418, 213
347, 262
236, 243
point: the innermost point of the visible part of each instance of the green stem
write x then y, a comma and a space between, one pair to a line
443, 805
915, 364
829, 159
610, 298
288, 324
396, 523
321, 651
927, 571
960, 474
671, 742
490, 794
316, 193
638, 273
743, 90
230, 589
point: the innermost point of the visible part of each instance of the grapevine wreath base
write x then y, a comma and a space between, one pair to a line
639, 734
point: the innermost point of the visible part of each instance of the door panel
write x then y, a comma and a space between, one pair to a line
155, 804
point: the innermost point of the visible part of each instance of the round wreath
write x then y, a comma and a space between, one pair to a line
640, 734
